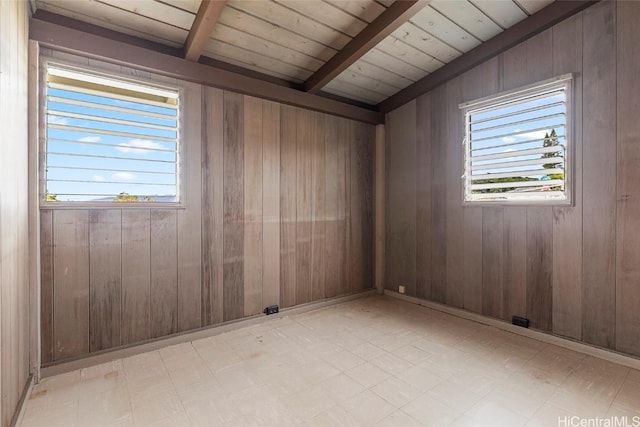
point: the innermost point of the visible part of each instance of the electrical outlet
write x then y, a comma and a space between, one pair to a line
401, 289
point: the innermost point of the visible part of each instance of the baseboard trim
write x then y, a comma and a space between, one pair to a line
22, 403
605, 354
209, 331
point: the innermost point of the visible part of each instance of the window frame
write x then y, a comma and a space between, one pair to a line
106, 70
565, 81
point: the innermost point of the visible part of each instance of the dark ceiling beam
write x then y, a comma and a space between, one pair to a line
206, 19
393, 17
112, 50
523, 30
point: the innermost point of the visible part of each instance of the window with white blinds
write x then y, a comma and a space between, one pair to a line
109, 139
517, 145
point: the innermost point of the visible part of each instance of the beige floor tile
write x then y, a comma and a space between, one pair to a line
368, 408
396, 391
629, 395
341, 387
453, 396
487, 413
335, 417
367, 374
431, 412
399, 419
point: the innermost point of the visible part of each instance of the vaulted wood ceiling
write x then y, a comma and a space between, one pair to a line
292, 39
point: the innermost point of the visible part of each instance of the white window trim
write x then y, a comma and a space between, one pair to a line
105, 70
565, 80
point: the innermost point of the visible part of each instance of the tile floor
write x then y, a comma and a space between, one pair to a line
376, 361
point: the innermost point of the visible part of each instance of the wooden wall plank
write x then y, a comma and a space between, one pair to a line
599, 183
424, 181
362, 206
514, 277
438, 190
345, 134
253, 239
71, 283
288, 184
136, 276
567, 221
233, 232
492, 261
539, 265
190, 219
401, 199
212, 205
304, 195
333, 262
105, 278
271, 202
46, 286
164, 273
318, 215
628, 214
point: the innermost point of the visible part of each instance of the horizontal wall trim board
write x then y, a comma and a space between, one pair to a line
608, 355
152, 345
70, 40
523, 30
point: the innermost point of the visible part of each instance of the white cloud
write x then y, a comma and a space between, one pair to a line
56, 120
123, 176
89, 139
539, 134
138, 146
98, 178
509, 139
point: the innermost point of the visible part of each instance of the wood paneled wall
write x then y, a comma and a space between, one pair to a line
573, 271
14, 243
278, 210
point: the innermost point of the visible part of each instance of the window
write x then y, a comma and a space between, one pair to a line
109, 139
517, 145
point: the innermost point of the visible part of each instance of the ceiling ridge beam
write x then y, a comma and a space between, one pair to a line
387, 22
545, 18
203, 25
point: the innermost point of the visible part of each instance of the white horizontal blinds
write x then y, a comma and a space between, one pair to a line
109, 139
516, 146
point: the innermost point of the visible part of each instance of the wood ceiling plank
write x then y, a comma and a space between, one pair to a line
327, 14
367, 10
368, 69
264, 47
401, 51
425, 42
504, 12
383, 60
249, 24
532, 6
392, 18
293, 21
433, 22
161, 12
368, 82
203, 26
255, 61
116, 19
349, 89
468, 17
